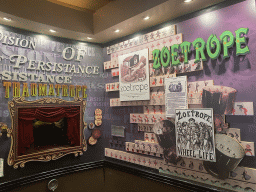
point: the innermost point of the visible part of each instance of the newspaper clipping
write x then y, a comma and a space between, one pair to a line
175, 94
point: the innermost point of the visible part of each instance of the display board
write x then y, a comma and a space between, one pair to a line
216, 59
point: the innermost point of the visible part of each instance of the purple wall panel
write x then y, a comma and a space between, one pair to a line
237, 71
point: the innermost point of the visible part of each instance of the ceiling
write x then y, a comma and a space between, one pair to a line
82, 5
97, 19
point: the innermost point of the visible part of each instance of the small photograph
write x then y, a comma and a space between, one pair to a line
175, 87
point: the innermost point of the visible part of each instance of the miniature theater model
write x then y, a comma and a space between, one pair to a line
45, 129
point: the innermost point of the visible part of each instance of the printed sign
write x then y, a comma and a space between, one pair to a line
1, 167
175, 94
195, 134
117, 131
134, 76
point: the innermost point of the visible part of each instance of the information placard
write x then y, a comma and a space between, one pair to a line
175, 94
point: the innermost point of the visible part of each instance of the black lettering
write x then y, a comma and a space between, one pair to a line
205, 115
179, 151
194, 155
200, 156
211, 156
179, 115
188, 113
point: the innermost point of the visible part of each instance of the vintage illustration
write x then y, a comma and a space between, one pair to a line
134, 76
243, 108
195, 134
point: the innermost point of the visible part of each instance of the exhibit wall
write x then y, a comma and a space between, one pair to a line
112, 103
39, 71
131, 137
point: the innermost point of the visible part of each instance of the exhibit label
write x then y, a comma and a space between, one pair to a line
1, 167
175, 95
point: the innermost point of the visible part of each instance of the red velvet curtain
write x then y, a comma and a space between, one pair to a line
48, 114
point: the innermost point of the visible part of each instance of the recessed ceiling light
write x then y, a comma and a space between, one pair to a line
187, 1
7, 19
117, 31
89, 38
52, 31
146, 18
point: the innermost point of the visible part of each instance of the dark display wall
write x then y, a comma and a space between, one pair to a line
237, 72
49, 49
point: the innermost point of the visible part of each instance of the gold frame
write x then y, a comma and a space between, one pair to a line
49, 154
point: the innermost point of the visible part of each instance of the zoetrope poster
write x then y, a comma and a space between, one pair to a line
195, 134
134, 76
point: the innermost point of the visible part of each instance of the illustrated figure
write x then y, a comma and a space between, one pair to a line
146, 137
189, 86
207, 143
201, 167
248, 150
191, 98
154, 109
191, 165
161, 81
246, 176
236, 136
127, 149
183, 164
154, 81
147, 109
196, 141
161, 109
243, 109
198, 66
197, 85
146, 120
153, 138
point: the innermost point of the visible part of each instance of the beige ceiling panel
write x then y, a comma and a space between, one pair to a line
92, 5
45, 12
126, 15
121, 10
